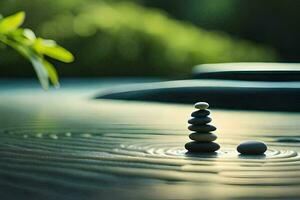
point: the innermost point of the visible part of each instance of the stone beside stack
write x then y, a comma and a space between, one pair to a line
202, 135
252, 147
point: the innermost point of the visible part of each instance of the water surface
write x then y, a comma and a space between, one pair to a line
65, 145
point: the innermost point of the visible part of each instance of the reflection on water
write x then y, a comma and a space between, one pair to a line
75, 148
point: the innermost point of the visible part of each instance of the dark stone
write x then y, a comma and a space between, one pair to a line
203, 147
252, 147
199, 121
202, 128
200, 113
203, 137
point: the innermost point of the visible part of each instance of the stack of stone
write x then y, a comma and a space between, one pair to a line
202, 135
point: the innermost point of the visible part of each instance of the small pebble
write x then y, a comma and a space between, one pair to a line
200, 113
252, 147
53, 136
202, 147
202, 128
68, 134
203, 137
199, 121
87, 135
201, 105
39, 135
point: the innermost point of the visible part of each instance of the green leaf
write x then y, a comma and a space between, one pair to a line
41, 71
51, 49
51, 73
22, 49
29, 34
12, 22
24, 37
25, 42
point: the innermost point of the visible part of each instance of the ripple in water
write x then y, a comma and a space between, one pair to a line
85, 159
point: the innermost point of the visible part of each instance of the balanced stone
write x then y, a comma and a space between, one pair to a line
199, 121
203, 137
202, 128
201, 105
202, 147
200, 113
252, 147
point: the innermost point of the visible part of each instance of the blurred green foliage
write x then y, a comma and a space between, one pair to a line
272, 22
123, 38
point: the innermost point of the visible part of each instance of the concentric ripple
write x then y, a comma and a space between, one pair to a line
96, 155
275, 167
177, 150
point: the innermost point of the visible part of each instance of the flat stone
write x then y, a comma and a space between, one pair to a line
199, 121
202, 147
200, 113
252, 147
201, 105
203, 137
202, 128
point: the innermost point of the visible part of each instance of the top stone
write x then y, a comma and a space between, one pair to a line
201, 105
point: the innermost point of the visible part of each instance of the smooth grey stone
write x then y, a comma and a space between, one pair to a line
199, 121
202, 128
202, 147
200, 113
252, 147
203, 137
201, 105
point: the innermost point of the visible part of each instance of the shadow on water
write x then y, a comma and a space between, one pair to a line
261, 156
201, 155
